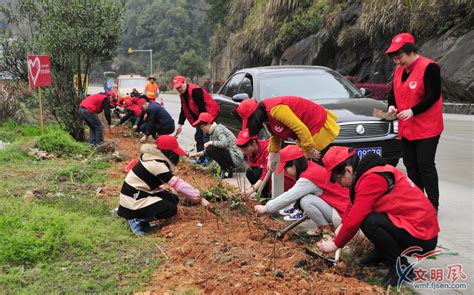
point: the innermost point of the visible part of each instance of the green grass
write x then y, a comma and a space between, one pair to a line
65, 240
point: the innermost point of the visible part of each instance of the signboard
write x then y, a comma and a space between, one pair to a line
39, 70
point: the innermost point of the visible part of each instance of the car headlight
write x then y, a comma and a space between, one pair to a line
395, 126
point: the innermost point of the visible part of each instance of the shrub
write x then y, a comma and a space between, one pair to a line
60, 142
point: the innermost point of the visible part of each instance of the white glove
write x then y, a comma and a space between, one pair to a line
273, 161
392, 109
314, 154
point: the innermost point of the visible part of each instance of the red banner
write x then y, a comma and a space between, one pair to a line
39, 70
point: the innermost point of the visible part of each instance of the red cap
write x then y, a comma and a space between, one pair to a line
168, 142
246, 109
399, 40
177, 81
111, 93
203, 117
335, 156
244, 137
289, 153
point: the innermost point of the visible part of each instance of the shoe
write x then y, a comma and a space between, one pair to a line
287, 211
392, 277
295, 216
136, 227
226, 173
373, 259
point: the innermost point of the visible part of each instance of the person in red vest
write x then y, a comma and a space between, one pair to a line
256, 152
316, 194
132, 112
89, 109
151, 89
313, 126
391, 210
416, 100
194, 101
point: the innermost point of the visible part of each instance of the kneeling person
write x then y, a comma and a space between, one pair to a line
141, 198
220, 147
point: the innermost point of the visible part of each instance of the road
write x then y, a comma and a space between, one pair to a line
454, 161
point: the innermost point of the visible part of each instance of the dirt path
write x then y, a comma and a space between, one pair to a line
237, 256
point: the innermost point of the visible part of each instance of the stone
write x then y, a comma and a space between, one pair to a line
28, 197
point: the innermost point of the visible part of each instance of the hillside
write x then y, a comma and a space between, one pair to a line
348, 36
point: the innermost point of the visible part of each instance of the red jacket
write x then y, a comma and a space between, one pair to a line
333, 193
408, 94
211, 105
94, 103
405, 204
311, 114
260, 161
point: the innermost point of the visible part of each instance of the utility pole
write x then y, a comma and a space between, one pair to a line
130, 51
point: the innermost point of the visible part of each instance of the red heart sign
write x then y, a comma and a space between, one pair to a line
39, 72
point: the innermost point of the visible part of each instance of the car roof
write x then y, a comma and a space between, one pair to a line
270, 69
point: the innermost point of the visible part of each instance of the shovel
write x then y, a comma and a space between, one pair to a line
280, 234
327, 260
264, 182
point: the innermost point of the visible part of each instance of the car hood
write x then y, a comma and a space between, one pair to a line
354, 109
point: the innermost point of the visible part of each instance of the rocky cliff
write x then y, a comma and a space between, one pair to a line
353, 42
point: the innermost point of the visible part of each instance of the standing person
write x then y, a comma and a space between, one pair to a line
89, 109
313, 126
158, 121
391, 210
256, 152
151, 89
220, 147
416, 100
141, 198
194, 101
316, 194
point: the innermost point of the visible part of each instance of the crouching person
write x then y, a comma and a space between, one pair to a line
220, 147
391, 210
316, 194
141, 198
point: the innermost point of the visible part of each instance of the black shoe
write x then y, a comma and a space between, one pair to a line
392, 277
373, 259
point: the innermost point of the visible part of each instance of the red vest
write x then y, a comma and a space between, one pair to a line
408, 94
94, 103
138, 101
406, 205
333, 193
311, 114
191, 108
136, 109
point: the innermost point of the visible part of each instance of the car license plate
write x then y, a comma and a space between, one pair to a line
362, 152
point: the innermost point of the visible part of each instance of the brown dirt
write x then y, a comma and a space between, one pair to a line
237, 256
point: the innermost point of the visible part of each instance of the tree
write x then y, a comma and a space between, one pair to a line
76, 34
191, 65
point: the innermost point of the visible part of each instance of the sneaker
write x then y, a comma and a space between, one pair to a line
136, 227
227, 173
295, 216
287, 211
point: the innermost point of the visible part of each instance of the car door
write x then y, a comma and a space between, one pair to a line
227, 115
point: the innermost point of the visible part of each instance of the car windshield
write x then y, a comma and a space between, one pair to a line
132, 83
313, 85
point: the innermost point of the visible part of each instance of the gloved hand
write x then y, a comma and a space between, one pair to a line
260, 209
392, 109
326, 246
405, 115
186, 189
273, 161
205, 202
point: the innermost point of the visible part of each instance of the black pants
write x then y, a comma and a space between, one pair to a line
220, 155
391, 240
130, 115
168, 206
419, 159
156, 130
253, 175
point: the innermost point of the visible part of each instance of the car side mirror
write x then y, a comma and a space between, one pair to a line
365, 92
240, 97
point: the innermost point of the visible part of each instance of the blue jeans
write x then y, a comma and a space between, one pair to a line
96, 133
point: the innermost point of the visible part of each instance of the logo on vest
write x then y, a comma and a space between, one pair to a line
278, 128
412, 85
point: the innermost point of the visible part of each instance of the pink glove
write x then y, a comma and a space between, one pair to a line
186, 189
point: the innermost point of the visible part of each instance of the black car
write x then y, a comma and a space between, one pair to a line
359, 129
